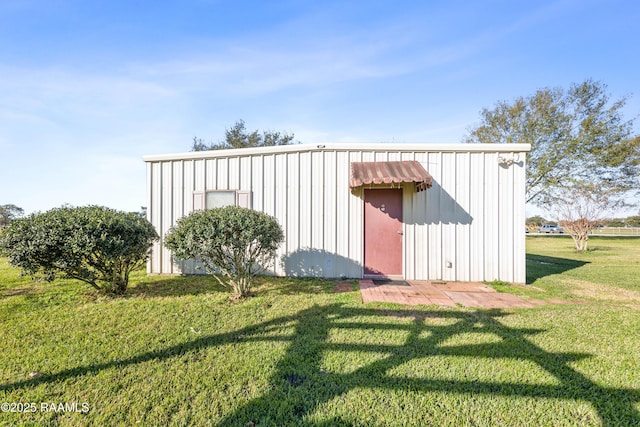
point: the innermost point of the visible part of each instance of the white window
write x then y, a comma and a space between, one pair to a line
218, 198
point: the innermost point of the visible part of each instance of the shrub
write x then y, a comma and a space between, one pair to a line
97, 245
237, 243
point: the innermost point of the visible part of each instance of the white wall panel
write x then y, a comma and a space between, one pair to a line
472, 216
177, 193
281, 178
476, 211
210, 174
199, 176
344, 265
491, 218
356, 219
233, 173
292, 237
519, 218
245, 174
188, 185
434, 218
317, 207
257, 174
410, 211
166, 211
154, 206
329, 209
447, 216
505, 223
462, 218
420, 228
304, 230
269, 185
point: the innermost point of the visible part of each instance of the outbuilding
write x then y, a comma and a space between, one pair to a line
453, 212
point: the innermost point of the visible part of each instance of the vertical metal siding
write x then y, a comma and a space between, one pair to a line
292, 241
343, 265
155, 211
410, 216
166, 210
150, 187
446, 215
461, 219
356, 219
317, 207
476, 211
281, 172
268, 184
505, 223
209, 174
330, 209
491, 218
434, 222
471, 217
304, 229
519, 218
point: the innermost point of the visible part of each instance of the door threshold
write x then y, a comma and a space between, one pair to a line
383, 276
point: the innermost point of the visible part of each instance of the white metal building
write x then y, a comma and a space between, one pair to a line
356, 210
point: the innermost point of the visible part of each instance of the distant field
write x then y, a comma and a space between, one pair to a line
176, 351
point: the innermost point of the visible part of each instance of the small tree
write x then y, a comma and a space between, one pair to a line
94, 244
579, 212
237, 243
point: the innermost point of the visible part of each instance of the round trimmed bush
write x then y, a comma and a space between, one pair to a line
234, 242
94, 244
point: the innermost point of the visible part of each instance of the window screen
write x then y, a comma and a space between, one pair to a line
218, 199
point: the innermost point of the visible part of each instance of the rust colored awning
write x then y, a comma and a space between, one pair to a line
363, 173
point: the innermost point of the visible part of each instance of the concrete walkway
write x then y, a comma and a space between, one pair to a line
468, 294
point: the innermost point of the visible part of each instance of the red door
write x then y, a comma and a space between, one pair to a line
383, 232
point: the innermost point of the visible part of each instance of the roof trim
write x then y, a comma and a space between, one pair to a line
372, 147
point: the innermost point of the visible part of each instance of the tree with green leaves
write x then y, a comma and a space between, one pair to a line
578, 136
580, 143
238, 137
234, 242
8, 213
94, 244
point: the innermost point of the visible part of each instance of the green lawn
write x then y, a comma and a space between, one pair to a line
176, 351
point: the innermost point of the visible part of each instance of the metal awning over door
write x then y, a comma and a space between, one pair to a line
364, 173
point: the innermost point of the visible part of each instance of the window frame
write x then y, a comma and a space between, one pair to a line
242, 198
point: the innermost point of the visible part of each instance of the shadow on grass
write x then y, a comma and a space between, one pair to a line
539, 266
291, 286
12, 292
300, 384
175, 286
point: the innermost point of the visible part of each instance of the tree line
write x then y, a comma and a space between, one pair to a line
630, 221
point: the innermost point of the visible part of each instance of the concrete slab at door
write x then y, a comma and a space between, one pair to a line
383, 232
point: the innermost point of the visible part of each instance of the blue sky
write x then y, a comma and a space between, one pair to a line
88, 87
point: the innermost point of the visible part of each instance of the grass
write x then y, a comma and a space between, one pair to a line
176, 351
606, 273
